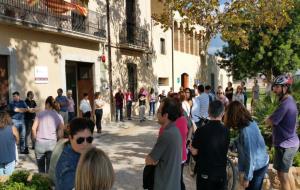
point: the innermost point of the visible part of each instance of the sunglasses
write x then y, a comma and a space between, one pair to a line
80, 140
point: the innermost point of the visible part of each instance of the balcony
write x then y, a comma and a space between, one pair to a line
133, 37
40, 16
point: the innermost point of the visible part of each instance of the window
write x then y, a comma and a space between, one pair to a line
163, 81
132, 78
162, 46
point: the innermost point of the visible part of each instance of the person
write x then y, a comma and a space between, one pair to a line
185, 98
71, 104
285, 138
162, 95
182, 125
29, 118
17, 109
94, 171
3, 102
99, 103
220, 96
167, 152
119, 98
142, 105
203, 103
80, 139
229, 91
48, 127
239, 96
210, 94
152, 100
253, 158
255, 94
85, 106
171, 91
244, 90
210, 146
128, 99
9, 137
63, 105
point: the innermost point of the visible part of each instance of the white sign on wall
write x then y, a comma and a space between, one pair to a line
41, 74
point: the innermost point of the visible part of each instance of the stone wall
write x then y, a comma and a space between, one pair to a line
271, 181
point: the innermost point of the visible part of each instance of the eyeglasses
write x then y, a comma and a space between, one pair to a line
80, 140
219, 92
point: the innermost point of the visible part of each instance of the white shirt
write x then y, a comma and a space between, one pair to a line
99, 102
85, 106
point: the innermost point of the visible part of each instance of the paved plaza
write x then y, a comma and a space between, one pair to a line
127, 143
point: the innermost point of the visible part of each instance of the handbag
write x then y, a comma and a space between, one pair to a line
148, 177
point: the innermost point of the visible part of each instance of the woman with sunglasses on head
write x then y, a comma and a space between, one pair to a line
221, 97
47, 128
80, 139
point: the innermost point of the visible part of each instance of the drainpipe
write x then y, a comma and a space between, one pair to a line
172, 44
109, 60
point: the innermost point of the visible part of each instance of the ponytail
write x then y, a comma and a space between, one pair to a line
52, 103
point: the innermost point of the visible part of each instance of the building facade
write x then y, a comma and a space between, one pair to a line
51, 44
191, 64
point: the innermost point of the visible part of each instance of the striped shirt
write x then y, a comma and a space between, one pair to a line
203, 103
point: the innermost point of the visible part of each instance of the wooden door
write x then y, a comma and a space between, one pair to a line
185, 80
4, 90
85, 82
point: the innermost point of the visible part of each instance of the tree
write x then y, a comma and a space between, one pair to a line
269, 52
235, 21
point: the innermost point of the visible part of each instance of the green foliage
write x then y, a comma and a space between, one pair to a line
297, 160
19, 180
41, 182
20, 177
262, 110
269, 52
235, 21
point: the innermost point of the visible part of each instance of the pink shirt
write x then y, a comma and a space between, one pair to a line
181, 124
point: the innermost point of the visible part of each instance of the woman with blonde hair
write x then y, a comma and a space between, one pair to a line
9, 136
94, 171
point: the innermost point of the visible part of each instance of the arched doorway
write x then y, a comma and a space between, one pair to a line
185, 80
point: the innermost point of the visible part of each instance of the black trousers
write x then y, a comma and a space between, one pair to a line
210, 184
98, 113
87, 115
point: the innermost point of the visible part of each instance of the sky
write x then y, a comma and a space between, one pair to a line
216, 43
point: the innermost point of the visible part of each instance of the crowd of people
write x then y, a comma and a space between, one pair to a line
193, 123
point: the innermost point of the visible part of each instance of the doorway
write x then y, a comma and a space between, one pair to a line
185, 80
4, 87
79, 79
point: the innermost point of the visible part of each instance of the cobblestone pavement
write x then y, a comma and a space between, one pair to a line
127, 143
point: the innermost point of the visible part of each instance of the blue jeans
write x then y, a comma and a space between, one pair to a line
258, 178
152, 108
20, 125
71, 115
7, 169
119, 109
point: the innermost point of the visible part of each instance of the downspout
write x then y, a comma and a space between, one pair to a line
109, 59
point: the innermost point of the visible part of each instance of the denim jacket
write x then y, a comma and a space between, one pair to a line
252, 153
66, 169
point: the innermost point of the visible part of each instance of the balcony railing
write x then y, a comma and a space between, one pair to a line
40, 15
134, 36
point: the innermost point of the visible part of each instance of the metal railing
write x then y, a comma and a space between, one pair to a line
133, 35
40, 14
